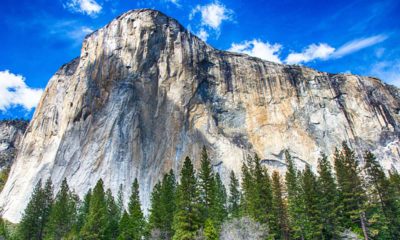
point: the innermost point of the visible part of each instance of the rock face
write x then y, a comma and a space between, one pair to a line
145, 93
11, 133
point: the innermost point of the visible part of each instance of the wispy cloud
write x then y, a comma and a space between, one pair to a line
357, 45
14, 92
88, 7
212, 16
323, 51
388, 71
258, 48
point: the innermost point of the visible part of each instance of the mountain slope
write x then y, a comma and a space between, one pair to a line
145, 93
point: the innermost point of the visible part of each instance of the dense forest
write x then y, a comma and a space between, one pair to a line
354, 197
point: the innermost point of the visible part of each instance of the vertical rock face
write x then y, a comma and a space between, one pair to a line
11, 133
145, 93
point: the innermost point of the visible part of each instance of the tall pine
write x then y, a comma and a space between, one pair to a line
382, 199
96, 221
63, 214
206, 185
280, 228
234, 196
187, 219
329, 202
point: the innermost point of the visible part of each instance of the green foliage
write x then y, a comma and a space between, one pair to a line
96, 222
382, 204
310, 194
133, 224
113, 213
351, 190
206, 185
163, 206
257, 191
280, 226
37, 212
328, 200
63, 214
3, 177
210, 231
295, 200
187, 219
218, 206
234, 196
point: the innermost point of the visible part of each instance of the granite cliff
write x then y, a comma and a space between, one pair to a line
145, 93
11, 134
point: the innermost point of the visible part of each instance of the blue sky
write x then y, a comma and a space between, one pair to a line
360, 37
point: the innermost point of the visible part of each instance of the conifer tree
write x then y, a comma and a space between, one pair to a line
279, 209
206, 185
120, 201
295, 199
113, 216
187, 219
247, 203
168, 203
136, 224
37, 212
124, 227
329, 202
351, 190
96, 222
83, 211
210, 231
234, 196
63, 214
219, 212
382, 199
310, 195
156, 212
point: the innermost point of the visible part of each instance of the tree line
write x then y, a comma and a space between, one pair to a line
348, 196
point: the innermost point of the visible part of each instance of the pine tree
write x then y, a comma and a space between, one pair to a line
210, 231
187, 219
120, 201
382, 199
37, 212
112, 216
156, 211
219, 212
206, 185
295, 200
63, 214
351, 190
310, 195
168, 195
124, 227
279, 209
329, 205
83, 211
135, 228
95, 226
248, 187
234, 196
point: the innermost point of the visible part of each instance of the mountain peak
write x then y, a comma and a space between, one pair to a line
145, 93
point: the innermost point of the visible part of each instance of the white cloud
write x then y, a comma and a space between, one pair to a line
388, 71
79, 33
312, 52
203, 34
212, 15
257, 48
358, 44
323, 51
89, 7
14, 91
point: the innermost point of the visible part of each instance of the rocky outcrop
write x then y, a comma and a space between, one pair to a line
145, 93
11, 133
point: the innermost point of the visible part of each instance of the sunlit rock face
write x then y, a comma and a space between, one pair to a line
145, 93
11, 133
